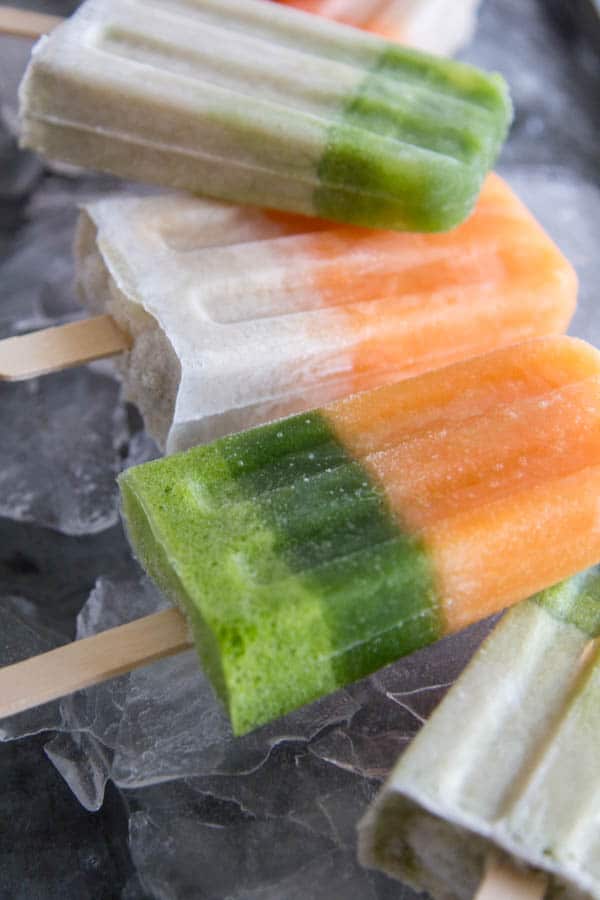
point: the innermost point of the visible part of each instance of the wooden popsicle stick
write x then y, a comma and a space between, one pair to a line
24, 23
54, 349
25, 685
503, 880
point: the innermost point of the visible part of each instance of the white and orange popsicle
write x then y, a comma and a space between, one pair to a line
238, 316
437, 26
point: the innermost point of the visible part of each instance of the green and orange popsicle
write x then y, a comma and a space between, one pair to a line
310, 552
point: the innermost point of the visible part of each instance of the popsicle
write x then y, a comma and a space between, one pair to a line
248, 101
437, 26
311, 551
235, 316
240, 316
508, 762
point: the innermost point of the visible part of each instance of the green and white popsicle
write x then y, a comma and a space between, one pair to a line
510, 760
248, 101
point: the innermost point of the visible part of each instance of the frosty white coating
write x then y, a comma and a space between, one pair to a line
508, 760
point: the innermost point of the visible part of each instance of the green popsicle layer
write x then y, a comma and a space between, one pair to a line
285, 558
413, 144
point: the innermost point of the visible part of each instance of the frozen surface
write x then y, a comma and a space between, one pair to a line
62, 473
270, 816
162, 722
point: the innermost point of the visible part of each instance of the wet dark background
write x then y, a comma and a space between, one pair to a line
64, 430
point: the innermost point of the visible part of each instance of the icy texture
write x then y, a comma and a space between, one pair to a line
179, 853
301, 782
62, 474
163, 722
36, 268
304, 799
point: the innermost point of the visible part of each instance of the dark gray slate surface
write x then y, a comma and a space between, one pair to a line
271, 819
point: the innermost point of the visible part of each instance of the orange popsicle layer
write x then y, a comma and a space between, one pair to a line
496, 279
408, 303
494, 465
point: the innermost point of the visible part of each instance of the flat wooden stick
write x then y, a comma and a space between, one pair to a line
24, 23
502, 880
54, 349
25, 685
